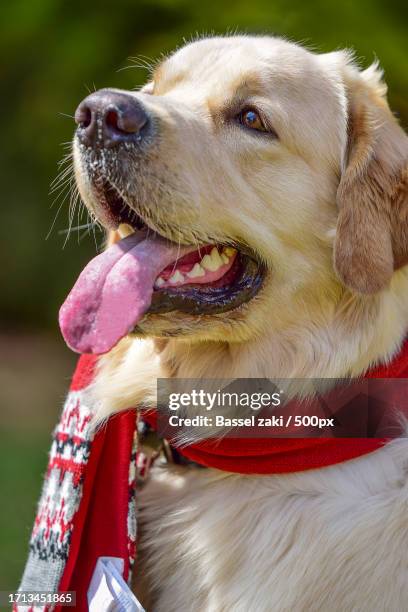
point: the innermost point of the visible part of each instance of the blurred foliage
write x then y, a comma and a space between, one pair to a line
53, 51
34, 374
18, 505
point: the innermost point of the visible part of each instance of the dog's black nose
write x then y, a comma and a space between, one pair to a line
108, 118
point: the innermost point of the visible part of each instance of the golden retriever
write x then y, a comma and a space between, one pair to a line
292, 164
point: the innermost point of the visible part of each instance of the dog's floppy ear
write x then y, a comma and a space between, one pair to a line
372, 228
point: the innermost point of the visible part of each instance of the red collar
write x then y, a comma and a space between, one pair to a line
272, 455
284, 455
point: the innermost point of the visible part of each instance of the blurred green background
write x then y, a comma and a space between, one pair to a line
52, 53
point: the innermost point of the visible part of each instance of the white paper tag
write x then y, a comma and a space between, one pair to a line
108, 592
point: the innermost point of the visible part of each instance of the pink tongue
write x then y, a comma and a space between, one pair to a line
113, 292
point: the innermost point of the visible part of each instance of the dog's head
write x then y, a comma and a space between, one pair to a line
242, 166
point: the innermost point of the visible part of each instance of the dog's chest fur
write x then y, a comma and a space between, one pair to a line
214, 542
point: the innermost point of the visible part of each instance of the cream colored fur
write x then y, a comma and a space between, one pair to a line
334, 539
329, 539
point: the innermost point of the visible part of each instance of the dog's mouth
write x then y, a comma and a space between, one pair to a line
145, 273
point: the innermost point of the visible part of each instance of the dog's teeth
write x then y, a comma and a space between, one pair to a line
207, 263
229, 251
216, 257
177, 277
224, 258
125, 229
159, 282
196, 271
213, 261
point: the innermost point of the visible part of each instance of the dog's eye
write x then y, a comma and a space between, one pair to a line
249, 118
